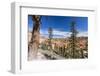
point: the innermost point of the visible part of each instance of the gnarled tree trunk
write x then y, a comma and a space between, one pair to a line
34, 43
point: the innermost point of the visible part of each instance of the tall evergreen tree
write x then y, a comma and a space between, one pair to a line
73, 38
50, 31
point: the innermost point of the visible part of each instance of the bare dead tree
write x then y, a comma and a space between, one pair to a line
34, 43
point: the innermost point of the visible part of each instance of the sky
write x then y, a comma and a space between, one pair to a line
60, 25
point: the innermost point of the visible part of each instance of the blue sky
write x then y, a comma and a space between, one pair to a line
60, 25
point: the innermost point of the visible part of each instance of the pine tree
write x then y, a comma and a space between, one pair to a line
50, 31
73, 39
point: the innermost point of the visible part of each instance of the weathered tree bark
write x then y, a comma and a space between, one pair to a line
34, 43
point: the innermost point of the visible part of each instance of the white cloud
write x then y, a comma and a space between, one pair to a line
56, 33
68, 34
84, 34
43, 31
61, 34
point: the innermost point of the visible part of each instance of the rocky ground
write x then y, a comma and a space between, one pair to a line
44, 55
